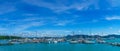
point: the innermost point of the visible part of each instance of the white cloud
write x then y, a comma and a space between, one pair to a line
113, 18
6, 8
94, 21
29, 14
110, 27
118, 31
59, 6
23, 27
16, 25
63, 22
3, 29
114, 3
53, 33
22, 24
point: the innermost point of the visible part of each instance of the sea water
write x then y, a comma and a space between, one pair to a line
60, 47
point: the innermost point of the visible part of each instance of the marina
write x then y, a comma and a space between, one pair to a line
61, 40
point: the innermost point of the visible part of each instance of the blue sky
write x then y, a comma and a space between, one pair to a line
60, 17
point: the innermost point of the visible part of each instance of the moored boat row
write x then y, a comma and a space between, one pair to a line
58, 40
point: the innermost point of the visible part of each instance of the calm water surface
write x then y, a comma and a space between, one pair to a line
60, 47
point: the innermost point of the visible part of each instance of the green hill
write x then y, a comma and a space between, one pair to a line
9, 37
